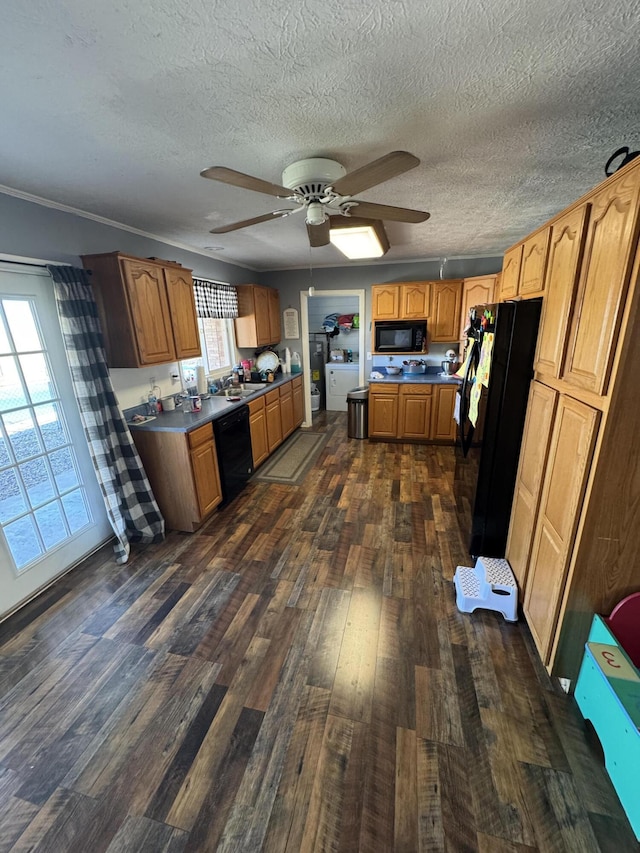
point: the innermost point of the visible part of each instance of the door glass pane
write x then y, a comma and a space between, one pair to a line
12, 502
76, 510
51, 524
23, 541
64, 469
22, 325
22, 433
4, 452
41, 386
12, 394
4, 340
37, 481
52, 425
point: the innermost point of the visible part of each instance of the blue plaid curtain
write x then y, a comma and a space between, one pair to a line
131, 507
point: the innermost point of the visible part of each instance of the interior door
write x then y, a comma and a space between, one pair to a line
51, 509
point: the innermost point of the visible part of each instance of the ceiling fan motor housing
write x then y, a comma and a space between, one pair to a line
309, 178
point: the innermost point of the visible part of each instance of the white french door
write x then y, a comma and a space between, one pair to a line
51, 508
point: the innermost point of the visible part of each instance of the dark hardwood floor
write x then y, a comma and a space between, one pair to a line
294, 677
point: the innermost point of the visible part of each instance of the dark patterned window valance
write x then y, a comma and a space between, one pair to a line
215, 300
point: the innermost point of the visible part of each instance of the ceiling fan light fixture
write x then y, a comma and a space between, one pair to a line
315, 214
359, 238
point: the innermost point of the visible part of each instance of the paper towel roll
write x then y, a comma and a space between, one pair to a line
201, 380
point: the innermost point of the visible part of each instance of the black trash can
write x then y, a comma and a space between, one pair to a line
358, 412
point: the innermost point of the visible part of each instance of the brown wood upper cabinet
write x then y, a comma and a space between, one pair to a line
445, 311
524, 267
258, 321
479, 290
565, 255
510, 276
146, 308
408, 300
609, 252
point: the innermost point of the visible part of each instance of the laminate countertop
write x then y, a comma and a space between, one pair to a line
418, 379
212, 409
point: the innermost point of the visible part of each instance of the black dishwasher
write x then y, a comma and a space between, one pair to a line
233, 444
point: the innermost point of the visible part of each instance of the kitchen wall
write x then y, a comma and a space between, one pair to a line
44, 233
361, 276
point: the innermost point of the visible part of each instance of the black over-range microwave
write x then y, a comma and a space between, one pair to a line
400, 335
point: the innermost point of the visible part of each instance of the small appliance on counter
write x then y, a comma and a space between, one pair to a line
450, 365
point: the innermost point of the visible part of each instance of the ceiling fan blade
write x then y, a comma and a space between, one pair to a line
375, 173
247, 182
385, 211
234, 226
319, 234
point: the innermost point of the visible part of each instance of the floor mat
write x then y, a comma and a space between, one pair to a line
290, 464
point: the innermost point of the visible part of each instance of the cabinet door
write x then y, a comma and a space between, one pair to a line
445, 314
533, 457
274, 425
608, 255
443, 426
298, 402
259, 444
565, 254
475, 291
415, 300
567, 471
534, 263
385, 301
183, 312
383, 412
510, 276
263, 327
275, 332
206, 476
415, 413
286, 411
147, 295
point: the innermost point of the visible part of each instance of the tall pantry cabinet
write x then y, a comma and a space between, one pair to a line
576, 511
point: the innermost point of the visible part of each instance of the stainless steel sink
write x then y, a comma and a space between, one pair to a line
236, 392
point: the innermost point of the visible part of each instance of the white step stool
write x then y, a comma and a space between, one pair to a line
490, 584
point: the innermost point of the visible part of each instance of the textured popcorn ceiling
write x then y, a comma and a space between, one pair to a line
513, 107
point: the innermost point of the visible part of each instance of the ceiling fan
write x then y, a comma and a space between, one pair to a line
322, 188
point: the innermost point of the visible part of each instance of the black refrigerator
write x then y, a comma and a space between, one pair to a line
498, 369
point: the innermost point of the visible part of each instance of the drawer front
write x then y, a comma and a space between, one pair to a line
387, 388
410, 390
271, 396
200, 435
256, 405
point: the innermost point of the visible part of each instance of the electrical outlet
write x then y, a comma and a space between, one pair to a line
368, 356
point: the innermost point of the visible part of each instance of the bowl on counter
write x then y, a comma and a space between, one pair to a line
414, 366
393, 371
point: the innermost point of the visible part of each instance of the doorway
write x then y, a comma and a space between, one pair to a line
347, 297
51, 509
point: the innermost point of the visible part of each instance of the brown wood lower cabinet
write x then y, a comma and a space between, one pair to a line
415, 412
298, 401
443, 426
571, 448
183, 472
274, 422
258, 428
286, 410
383, 410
